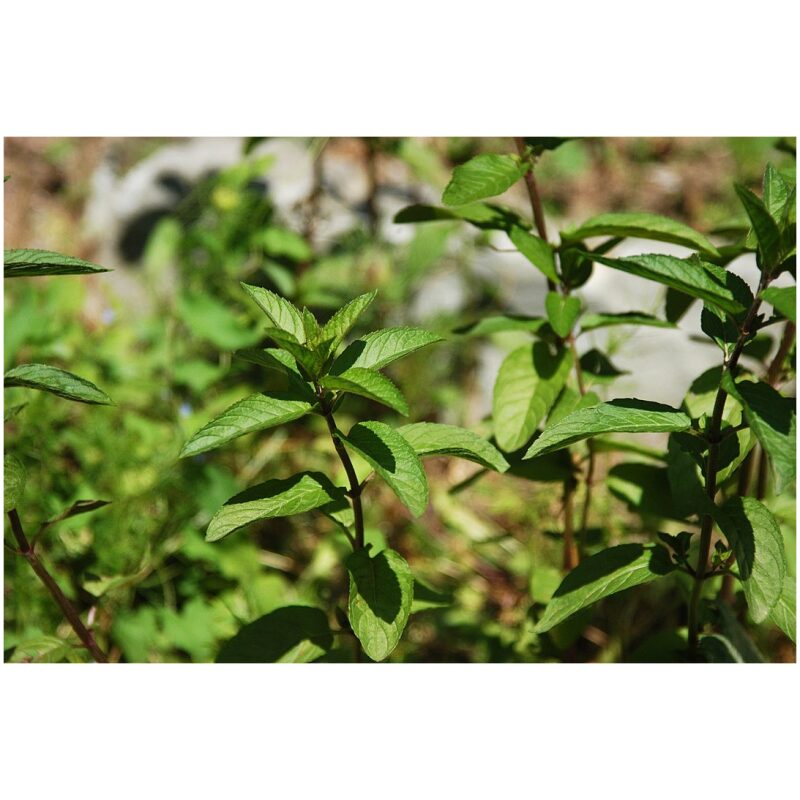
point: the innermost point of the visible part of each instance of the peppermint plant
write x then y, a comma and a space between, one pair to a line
27, 263
552, 426
321, 369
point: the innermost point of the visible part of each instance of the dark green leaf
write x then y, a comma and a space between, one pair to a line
275, 498
688, 495
381, 594
31, 263
618, 416
755, 538
676, 305
292, 634
370, 384
536, 250
764, 227
604, 574
485, 175
482, 215
644, 488
434, 439
376, 350
689, 276
528, 383
562, 312
597, 367
254, 413
58, 382
641, 226
590, 322
394, 460
772, 419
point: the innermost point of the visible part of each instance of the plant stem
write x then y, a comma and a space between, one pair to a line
713, 437
344, 457
84, 634
536, 200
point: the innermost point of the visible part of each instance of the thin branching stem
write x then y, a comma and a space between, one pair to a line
713, 437
67, 609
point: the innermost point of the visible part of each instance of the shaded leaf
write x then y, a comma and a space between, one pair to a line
644, 488
393, 459
275, 498
434, 439
28, 263
500, 324
755, 538
254, 413
482, 215
597, 367
536, 250
764, 226
370, 384
590, 322
377, 349
689, 276
381, 594
527, 385
292, 634
773, 420
641, 226
618, 416
485, 175
58, 382
604, 574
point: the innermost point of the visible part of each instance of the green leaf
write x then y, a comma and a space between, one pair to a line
29, 263
14, 477
393, 459
212, 321
689, 276
288, 635
381, 594
562, 312
311, 360
590, 322
254, 413
776, 192
619, 416
783, 299
434, 439
501, 323
597, 367
755, 538
528, 383
275, 498
536, 250
58, 382
718, 649
641, 226
688, 494
370, 384
764, 226
484, 216
281, 313
773, 420
283, 243
604, 574
338, 326
784, 613
485, 175
377, 349
644, 488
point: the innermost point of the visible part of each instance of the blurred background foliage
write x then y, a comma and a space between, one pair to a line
158, 335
